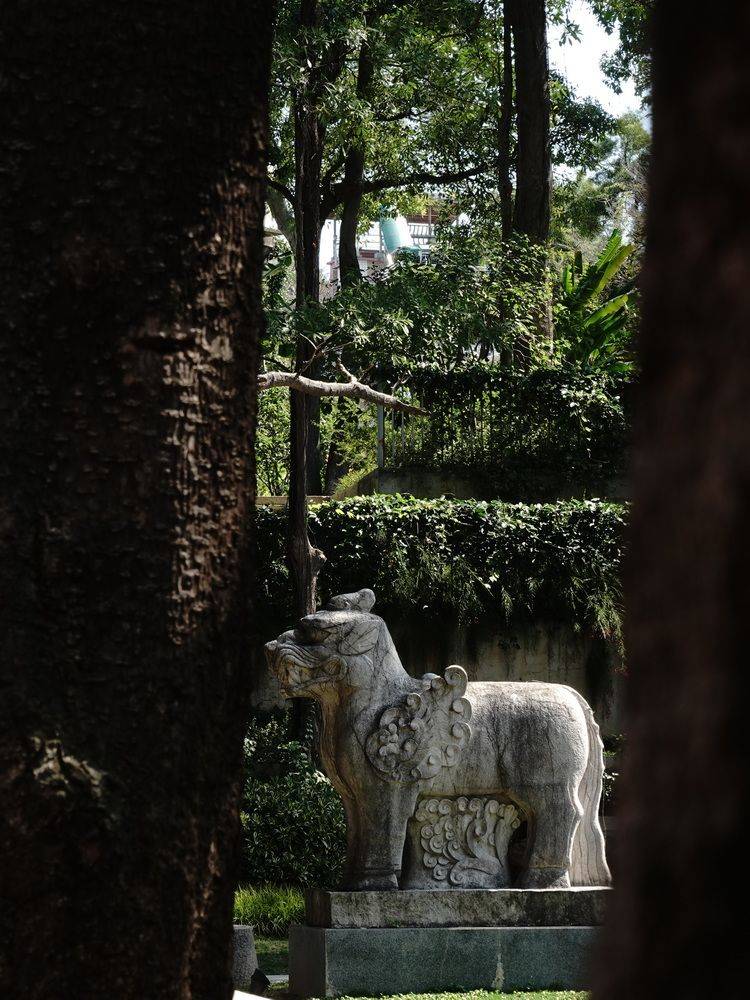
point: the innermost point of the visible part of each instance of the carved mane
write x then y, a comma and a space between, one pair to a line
425, 731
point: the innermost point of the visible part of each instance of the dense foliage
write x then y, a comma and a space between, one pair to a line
293, 820
632, 57
470, 315
592, 325
472, 559
476, 296
430, 101
520, 433
476, 293
588, 206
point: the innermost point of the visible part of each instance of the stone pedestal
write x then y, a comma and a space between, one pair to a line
245, 958
435, 941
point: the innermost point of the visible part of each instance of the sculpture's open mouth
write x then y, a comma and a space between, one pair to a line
300, 659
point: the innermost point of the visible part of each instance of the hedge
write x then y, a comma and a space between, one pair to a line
559, 562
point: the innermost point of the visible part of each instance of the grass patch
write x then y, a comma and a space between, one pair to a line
485, 995
281, 992
269, 908
273, 955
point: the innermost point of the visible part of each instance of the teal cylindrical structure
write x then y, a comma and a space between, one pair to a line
395, 233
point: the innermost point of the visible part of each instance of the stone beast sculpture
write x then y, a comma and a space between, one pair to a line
453, 767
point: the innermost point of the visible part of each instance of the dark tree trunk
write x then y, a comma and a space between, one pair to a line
533, 159
306, 466
504, 159
349, 269
354, 173
304, 462
354, 170
131, 203
309, 138
684, 809
304, 560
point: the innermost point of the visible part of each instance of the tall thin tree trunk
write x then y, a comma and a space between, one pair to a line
305, 466
304, 410
309, 137
683, 821
354, 169
349, 269
354, 172
131, 203
534, 158
504, 159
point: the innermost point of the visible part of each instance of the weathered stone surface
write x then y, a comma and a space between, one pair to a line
491, 650
459, 843
459, 765
368, 962
576, 907
245, 960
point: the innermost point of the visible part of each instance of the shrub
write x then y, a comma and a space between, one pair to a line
269, 908
293, 819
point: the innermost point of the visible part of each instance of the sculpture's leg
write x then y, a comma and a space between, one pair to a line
384, 812
352, 839
555, 818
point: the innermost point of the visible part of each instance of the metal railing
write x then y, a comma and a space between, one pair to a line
494, 419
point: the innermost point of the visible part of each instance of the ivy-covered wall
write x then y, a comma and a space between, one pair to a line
465, 558
511, 591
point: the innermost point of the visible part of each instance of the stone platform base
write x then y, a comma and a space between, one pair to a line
578, 907
351, 961
438, 941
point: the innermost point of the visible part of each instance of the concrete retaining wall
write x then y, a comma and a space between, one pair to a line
542, 651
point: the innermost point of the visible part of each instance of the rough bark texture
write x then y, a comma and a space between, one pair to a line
683, 820
533, 159
132, 142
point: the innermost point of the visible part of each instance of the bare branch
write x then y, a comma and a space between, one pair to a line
338, 193
399, 116
352, 388
282, 188
283, 215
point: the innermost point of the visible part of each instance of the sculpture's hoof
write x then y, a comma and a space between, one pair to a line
545, 878
379, 883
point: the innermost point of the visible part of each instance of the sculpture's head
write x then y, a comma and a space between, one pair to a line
336, 647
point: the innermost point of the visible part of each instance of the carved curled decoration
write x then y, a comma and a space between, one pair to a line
425, 732
465, 841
